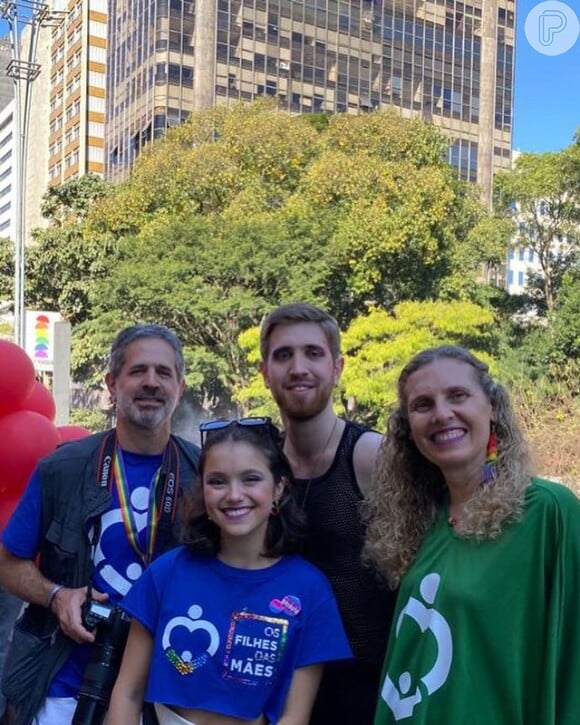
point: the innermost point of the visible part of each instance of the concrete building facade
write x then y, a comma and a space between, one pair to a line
77, 64
7, 132
446, 61
37, 144
67, 100
6, 83
6, 142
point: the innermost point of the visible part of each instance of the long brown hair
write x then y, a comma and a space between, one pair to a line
409, 490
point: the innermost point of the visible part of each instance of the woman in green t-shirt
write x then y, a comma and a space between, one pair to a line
487, 558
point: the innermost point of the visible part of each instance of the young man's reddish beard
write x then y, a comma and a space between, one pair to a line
306, 411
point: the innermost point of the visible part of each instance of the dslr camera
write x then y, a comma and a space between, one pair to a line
111, 626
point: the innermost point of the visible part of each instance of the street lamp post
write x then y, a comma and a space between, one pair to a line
23, 72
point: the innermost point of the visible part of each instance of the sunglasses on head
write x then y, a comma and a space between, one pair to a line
210, 426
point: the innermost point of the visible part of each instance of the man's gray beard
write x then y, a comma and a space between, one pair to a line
150, 421
145, 419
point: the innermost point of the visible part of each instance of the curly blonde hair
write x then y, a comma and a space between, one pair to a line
409, 490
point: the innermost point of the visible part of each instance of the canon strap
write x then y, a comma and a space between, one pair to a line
162, 500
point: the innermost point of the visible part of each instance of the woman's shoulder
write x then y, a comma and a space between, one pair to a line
549, 494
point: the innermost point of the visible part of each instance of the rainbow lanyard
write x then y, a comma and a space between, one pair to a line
123, 492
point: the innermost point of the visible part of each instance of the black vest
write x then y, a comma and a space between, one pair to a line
71, 498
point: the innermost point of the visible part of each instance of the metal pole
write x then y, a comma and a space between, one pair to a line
23, 72
10, 12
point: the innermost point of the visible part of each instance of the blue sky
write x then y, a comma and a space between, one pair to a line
547, 91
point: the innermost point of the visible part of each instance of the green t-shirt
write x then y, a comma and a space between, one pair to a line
488, 633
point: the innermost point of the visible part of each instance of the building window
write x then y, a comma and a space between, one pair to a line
521, 279
522, 254
97, 30
96, 130
511, 254
530, 255
510, 277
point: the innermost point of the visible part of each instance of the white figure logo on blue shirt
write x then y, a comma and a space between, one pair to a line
185, 662
121, 577
428, 618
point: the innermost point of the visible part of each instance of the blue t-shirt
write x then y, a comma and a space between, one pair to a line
228, 640
116, 564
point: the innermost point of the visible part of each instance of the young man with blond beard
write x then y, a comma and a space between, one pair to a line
333, 461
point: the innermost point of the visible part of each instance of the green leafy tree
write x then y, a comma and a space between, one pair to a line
93, 420
241, 209
205, 280
6, 269
377, 345
539, 196
566, 321
401, 221
387, 214
61, 264
61, 268
71, 201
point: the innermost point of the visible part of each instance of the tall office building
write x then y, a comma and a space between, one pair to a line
6, 83
446, 61
37, 158
6, 141
7, 133
37, 142
65, 136
77, 90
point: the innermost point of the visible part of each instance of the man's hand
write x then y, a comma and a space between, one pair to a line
66, 605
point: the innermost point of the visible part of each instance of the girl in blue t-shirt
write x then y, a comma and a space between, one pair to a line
233, 627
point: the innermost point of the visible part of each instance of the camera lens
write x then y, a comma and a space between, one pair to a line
103, 667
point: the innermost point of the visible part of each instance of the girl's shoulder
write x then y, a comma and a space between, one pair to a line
307, 572
175, 558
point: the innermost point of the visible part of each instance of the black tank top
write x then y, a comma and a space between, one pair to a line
335, 536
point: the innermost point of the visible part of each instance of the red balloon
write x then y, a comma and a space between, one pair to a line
72, 432
25, 437
16, 377
40, 401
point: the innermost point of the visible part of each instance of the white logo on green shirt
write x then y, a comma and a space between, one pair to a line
397, 699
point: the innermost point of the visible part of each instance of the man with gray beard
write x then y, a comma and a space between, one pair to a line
95, 513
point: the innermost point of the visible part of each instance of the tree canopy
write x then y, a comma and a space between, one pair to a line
542, 197
239, 210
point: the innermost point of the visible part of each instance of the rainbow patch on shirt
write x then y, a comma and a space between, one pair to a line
186, 667
254, 648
